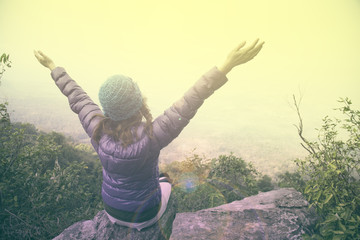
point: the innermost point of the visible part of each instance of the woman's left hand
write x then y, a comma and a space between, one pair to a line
241, 55
44, 60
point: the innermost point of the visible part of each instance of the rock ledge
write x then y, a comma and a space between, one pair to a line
278, 214
101, 228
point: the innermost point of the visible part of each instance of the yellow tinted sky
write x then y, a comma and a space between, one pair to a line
311, 46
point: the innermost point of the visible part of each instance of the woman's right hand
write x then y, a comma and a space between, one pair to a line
240, 55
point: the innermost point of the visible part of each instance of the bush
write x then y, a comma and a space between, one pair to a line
332, 172
294, 180
264, 184
200, 183
203, 196
235, 171
194, 165
42, 189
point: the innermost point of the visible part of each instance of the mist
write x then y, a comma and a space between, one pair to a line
311, 50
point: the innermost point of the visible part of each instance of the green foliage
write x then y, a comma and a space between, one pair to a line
235, 171
332, 172
294, 180
4, 62
204, 196
194, 164
201, 183
264, 184
46, 184
4, 115
4, 59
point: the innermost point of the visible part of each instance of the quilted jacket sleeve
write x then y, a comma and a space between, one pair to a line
79, 101
169, 125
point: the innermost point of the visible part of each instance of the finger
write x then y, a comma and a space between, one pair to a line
252, 46
240, 45
37, 55
41, 53
259, 46
254, 43
256, 50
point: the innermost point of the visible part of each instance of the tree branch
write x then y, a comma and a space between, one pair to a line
307, 146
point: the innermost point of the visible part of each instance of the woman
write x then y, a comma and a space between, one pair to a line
133, 193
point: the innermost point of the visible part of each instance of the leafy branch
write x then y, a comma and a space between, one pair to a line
4, 62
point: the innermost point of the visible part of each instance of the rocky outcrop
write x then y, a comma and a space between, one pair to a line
101, 228
278, 214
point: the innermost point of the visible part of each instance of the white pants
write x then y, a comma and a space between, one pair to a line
165, 195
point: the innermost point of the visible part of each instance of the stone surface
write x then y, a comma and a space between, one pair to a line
278, 214
101, 228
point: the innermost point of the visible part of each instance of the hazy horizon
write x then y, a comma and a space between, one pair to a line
311, 50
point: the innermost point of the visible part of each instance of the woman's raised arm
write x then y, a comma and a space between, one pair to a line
80, 103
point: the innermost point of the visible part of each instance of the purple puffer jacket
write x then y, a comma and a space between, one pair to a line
131, 175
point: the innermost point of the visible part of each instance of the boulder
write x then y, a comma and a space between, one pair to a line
278, 214
101, 228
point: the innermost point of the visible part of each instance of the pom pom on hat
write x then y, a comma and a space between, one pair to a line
120, 97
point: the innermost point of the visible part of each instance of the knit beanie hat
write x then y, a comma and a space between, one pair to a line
120, 97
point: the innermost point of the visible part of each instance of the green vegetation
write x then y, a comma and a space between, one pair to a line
332, 173
291, 179
46, 183
200, 183
4, 63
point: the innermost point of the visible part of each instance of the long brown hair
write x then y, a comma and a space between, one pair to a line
122, 130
